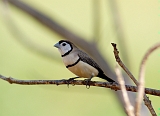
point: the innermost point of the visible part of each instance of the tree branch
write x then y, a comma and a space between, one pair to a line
78, 82
146, 99
142, 78
128, 107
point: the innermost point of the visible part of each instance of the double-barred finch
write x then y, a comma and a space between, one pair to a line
78, 62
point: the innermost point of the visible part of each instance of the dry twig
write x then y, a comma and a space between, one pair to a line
78, 82
128, 107
146, 99
142, 79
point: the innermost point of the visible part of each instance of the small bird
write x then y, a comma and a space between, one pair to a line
79, 63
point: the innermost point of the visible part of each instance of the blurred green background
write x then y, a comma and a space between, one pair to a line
139, 21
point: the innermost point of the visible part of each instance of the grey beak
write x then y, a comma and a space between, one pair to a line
57, 45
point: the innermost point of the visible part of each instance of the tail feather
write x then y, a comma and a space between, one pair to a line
103, 76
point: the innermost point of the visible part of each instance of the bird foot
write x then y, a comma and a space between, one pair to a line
70, 80
114, 83
87, 83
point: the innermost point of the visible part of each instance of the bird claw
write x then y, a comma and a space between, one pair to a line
114, 83
56, 83
70, 80
87, 83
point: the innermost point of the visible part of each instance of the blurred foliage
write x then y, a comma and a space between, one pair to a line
140, 21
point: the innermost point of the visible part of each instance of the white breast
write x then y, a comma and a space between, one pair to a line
81, 69
70, 59
84, 70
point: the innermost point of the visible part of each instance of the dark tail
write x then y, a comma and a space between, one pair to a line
103, 76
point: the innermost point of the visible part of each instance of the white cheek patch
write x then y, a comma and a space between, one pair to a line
68, 47
65, 49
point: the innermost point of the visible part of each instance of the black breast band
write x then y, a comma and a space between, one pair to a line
66, 53
73, 63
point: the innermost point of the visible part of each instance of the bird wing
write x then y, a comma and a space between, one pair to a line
87, 59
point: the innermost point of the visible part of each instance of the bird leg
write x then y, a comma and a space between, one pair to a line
71, 79
87, 82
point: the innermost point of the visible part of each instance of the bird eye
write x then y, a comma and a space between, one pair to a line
63, 44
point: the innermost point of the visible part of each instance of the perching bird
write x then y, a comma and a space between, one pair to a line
78, 62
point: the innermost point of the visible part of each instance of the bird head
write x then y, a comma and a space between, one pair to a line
64, 46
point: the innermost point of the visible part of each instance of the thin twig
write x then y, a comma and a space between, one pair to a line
116, 52
146, 99
142, 78
128, 107
78, 82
